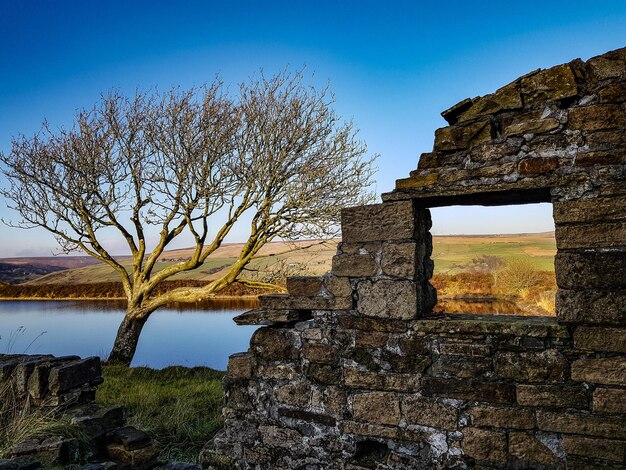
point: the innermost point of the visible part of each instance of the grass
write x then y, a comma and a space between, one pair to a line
180, 407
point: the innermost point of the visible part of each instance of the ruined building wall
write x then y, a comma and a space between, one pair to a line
353, 371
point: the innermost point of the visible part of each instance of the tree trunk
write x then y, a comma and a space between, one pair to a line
126, 340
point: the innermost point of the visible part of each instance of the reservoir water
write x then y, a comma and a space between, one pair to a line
197, 335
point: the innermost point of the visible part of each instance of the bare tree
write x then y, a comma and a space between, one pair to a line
190, 162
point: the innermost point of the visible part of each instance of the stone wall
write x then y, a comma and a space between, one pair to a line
354, 371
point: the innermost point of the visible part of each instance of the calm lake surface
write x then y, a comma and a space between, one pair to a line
200, 335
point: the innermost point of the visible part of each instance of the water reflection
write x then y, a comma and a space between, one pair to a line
200, 334
494, 307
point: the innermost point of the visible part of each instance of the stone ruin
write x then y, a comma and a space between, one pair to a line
352, 370
65, 388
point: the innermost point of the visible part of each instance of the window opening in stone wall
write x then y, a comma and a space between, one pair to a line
494, 260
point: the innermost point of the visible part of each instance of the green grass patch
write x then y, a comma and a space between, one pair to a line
180, 407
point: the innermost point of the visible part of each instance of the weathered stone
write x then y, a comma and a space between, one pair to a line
180, 466
294, 394
366, 429
552, 84
543, 366
427, 161
614, 157
590, 210
304, 285
274, 344
613, 93
389, 221
579, 423
280, 437
463, 136
413, 346
370, 339
129, 437
609, 400
319, 352
598, 235
95, 420
140, 457
464, 349
531, 126
484, 445
354, 265
538, 165
604, 67
278, 371
376, 407
491, 416
478, 325
601, 339
552, 396
610, 371
528, 448
590, 269
452, 114
429, 412
73, 374
400, 259
591, 306
417, 181
492, 392
323, 373
269, 317
338, 286
388, 299
599, 117
595, 448
307, 416
353, 322
240, 365
290, 302
461, 367
506, 98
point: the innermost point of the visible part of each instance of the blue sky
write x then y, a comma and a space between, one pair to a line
394, 66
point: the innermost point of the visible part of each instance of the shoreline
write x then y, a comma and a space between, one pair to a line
217, 297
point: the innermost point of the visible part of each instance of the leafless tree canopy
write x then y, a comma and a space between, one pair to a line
190, 162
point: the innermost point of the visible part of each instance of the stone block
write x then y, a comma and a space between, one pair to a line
483, 445
370, 430
358, 265
609, 400
472, 390
308, 416
306, 286
613, 93
324, 373
531, 125
376, 408
401, 259
269, 317
338, 286
528, 449
590, 269
591, 306
505, 98
462, 367
413, 346
552, 396
597, 235
601, 339
144, 457
464, 349
589, 210
280, 437
274, 344
598, 117
291, 302
74, 374
603, 157
388, 221
544, 366
538, 165
609, 371
606, 449
294, 394
463, 136
582, 423
606, 140
553, 84
354, 322
240, 365
319, 352
370, 339
499, 417
429, 412
129, 437
389, 299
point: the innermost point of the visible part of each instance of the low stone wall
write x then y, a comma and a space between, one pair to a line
354, 371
